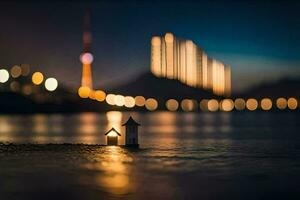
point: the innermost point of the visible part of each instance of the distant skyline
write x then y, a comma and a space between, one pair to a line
260, 40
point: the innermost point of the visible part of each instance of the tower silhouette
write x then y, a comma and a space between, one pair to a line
86, 56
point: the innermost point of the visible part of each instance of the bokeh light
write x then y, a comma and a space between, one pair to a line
172, 105
119, 100
281, 103
110, 99
16, 71
140, 100
4, 75
14, 86
27, 89
25, 69
129, 102
51, 84
37, 78
251, 104
227, 105
203, 105
292, 103
151, 104
84, 92
213, 105
187, 105
92, 94
100, 95
266, 104
240, 104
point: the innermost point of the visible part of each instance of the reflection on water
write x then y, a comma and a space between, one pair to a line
112, 171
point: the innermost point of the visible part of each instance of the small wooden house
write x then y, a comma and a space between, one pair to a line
112, 136
131, 133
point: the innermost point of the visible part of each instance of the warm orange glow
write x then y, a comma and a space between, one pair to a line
37, 78
204, 104
227, 105
14, 86
92, 94
187, 105
239, 104
110, 99
266, 104
292, 103
172, 105
25, 69
112, 133
51, 84
129, 102
119, 100
140, 100
213, 105
281, 103
84, 92
27, 89
151, 104
251, 104
100, 95
86, 79
4, 75
16, 71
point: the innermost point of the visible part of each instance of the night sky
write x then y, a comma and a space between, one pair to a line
259, 39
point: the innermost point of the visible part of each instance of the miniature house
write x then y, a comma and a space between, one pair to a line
131, 133
112, 136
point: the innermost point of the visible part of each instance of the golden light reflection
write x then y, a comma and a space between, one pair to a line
281, 103
240, 104
227, 105
213, 105
16, 71
100, 95
140, 101
292, 103
37, 78
84, 92
113, 171
266, 104
251, 104
129, 102
172, 105
110, 99
151, 104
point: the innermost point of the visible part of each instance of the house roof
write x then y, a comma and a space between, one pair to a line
131, 122
114, 130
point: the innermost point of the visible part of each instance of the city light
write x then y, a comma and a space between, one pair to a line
213, 105
84, 92
266, 104
151, 104
25, 69
4, 75
240, 104
14, 86
227, 105
292, 103
251, 104
172, 105
281, 103
86, 58
16, 71
187, 105
119, 100
140, 101
37, 78
100, 95
51, 84
27, 89
204, 104
110, 99
129, 102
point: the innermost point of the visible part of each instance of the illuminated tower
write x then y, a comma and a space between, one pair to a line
86, 56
